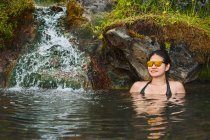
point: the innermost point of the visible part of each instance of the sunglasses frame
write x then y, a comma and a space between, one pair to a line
156, 63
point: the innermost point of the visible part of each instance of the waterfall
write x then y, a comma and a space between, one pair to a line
52, 62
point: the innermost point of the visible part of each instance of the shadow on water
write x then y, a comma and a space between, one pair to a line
111, 115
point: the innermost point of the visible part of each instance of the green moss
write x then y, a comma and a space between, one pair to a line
45, 81
167, 45
49, 2
31, 80
163, 12
193, 30
12, 81
205, 73
74, 13
73, 84
67, 83
48, 82
11, 12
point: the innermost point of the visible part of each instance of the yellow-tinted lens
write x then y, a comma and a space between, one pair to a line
156, 63
149, 63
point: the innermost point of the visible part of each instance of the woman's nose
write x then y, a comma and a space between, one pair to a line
153, 66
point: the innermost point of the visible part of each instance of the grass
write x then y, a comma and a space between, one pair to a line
163, 11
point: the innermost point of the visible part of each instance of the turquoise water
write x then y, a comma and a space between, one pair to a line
104, 115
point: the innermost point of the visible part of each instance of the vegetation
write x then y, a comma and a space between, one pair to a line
10, 13
205, 73
74, 13
192, 12
190, 17
48, 2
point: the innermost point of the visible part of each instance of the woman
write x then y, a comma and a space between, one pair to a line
158, 67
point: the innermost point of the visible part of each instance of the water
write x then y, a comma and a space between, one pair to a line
52, 61
67, 113
104, 115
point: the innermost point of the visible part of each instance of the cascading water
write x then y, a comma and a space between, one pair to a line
52, 62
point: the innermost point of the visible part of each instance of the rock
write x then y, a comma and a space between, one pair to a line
96, 6
136, 50
123, 54
2, 78
56, 9
184, 67
92, 7
7, 62
75, 13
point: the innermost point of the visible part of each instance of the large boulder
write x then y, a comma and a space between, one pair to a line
184, 66
136, 50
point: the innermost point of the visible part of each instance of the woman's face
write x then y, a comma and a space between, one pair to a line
156, 71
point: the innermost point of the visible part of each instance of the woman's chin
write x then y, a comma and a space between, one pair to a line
155, 75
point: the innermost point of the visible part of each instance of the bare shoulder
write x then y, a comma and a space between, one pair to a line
137, 86
177, 87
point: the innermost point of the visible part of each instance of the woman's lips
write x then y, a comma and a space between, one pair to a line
154, 71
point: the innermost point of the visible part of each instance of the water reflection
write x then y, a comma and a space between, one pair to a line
158, 112
41, 114
111, 115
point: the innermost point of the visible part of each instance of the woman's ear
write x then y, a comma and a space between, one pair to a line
167, 67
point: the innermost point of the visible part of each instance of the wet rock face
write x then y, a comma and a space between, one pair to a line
95, 6
135, 52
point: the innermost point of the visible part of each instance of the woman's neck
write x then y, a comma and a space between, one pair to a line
159, 81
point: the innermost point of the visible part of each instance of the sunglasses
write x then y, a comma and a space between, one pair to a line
156, 63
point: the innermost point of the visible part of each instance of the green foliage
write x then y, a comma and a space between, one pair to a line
189, 7
31, 80
167, 45
67, 83
205, 72
48, 2
74, 12
10, 12
48, 82
192, 12
99, 24
5, 27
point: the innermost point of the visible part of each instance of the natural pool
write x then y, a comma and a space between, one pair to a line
104, 115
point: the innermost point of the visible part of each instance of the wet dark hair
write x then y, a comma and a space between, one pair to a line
163, 54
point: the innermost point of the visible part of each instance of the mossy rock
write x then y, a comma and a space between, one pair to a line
31, 80
74, 84
74, 13
52, 83
12, 81
48, 82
